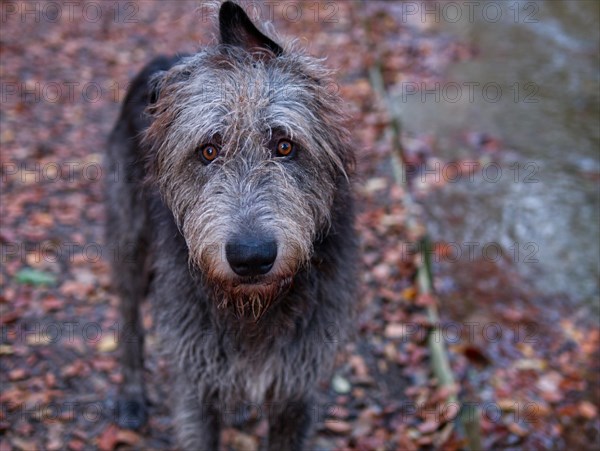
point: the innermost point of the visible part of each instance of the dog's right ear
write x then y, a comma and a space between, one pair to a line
237, 30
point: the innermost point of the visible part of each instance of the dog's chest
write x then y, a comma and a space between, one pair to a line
249, 380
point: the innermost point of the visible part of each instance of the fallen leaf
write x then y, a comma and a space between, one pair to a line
6, 349
52, 303
128, 437
108, 438
358, 365
107, 343
243, 442
338, 426
426, 300
508, 405
17, 373
375, 184
25, 445
76, 445
587, 410
409, 293
476, 355
549, 382
517, 429
340, 384
395, 330
35, 277
428, 426
531, 364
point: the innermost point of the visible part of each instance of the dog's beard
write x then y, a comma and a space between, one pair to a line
250, 300
246, 298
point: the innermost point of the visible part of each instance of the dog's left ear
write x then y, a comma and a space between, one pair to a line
238, 30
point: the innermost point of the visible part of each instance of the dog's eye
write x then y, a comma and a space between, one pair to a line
285, 148
209, 152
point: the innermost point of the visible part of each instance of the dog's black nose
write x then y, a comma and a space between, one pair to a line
250, 256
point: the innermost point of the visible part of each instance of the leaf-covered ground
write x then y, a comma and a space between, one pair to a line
526, 366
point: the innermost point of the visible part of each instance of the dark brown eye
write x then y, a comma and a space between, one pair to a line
209, 152
284, 148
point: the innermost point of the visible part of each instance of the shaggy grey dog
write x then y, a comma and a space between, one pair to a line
233, 212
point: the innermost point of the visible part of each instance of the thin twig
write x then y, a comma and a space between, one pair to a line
417, 227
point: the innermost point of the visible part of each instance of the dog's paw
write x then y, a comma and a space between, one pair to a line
130, 413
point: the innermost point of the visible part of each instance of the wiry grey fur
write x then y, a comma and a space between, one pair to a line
266, 339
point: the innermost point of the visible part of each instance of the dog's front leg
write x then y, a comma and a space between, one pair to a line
290, 423
197, 421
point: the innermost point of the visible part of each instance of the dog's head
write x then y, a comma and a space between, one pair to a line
248, 149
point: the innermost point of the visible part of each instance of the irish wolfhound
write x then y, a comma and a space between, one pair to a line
232, 207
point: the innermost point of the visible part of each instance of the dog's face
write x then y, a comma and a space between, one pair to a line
248, 150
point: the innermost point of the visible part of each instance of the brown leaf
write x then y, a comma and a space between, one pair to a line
52, 303
395, 330
25, 445
425, 300
381, 272
587, 410
108, 438
517, 429
42, 219
104, 363
508, 405
55, 437
17, 373
409, 293
76, 445
50, 379
338, 412
548, 385
12, 396
476, 355
128, 437
390, 295
10, 317
358, 365
390, 352
243, 442
338, 427
428, 426
74, 369
107, 343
